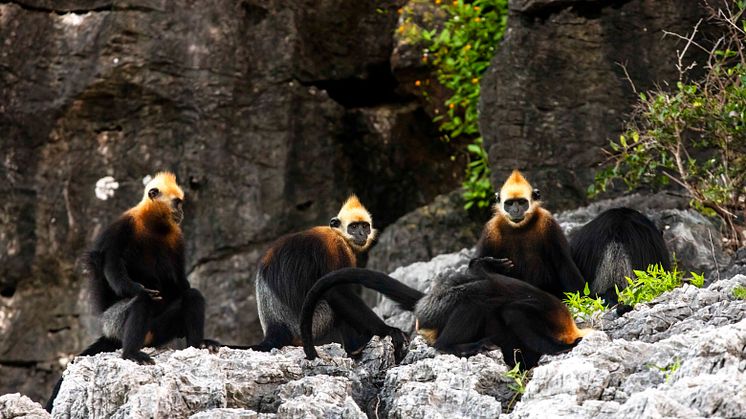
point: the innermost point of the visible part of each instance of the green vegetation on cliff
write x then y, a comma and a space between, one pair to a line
460, 49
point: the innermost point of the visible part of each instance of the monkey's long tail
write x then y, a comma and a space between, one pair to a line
103, 344
406, 297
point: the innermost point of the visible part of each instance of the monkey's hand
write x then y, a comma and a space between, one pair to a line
211, 345
489, 264
154, 295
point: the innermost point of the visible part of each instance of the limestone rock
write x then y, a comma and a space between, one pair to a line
680, 355
440, 227
447, 386
555, 93
186, 382
18, 406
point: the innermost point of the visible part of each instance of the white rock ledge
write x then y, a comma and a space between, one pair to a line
681, 355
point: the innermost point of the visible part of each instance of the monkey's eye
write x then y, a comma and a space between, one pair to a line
153, 193
366, 227
519, 201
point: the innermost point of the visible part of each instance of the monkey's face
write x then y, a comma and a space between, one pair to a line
358, 233
517, 200
166, 194
519, 209
355, 224
516, 209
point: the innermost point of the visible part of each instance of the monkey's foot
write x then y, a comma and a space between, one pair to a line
211, 345
400, 341
140, 357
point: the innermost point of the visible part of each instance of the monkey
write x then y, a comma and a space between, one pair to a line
293, 264
608, 248
138, 283
468, 312
524, 232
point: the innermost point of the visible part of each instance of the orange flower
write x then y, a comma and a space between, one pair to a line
475, 80
455, 2
401, 29
451, 106
437, 1
476, 19
476, 8
417, 83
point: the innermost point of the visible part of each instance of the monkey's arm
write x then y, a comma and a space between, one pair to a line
567, 272
117, 277
181, 278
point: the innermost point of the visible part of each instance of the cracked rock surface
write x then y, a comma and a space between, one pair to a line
681, 355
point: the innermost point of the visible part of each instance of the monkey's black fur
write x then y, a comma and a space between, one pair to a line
471, 312
291, 267
636, 235
539, 252
145, 272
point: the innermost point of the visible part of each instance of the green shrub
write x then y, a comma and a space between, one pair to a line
669, 369
584, 307
653, 282
460, 50
520, 379
693, 136
739, 292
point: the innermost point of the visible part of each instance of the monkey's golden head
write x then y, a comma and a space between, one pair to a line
517, 200
355, 224
162, 193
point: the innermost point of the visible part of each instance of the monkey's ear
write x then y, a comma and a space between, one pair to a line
335, 222
497, 197
536, 195
153, 193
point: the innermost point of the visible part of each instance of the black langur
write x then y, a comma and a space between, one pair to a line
612, 245
469, 312
138, 280
527, 234
293, 264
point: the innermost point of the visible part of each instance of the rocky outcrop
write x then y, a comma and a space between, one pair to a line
680, 355
440, 227
18, 406
192, 381
556, 92
268, 112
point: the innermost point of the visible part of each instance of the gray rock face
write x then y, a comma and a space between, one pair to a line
555, 93
253, 104
231, 383
680, 355
440, 227
18, 406
444, 386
